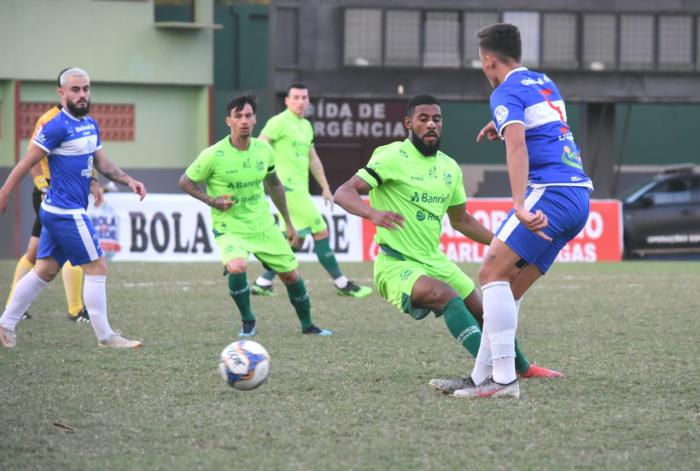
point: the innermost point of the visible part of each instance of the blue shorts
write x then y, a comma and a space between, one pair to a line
566, 208
68, 236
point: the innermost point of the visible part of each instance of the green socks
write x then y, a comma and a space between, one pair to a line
300, 300
326, 257
521, 363
238, 289
462, 325
268, 275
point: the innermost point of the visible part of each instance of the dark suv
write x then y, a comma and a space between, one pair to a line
662, 215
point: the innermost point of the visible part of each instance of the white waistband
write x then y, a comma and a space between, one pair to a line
587, 184
53, 209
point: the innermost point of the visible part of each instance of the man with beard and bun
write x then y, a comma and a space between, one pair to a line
72, 276
71, 139
411, 186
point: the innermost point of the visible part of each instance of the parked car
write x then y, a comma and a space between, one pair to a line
662, 215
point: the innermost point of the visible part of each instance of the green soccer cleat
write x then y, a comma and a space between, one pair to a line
257, 290
356, 291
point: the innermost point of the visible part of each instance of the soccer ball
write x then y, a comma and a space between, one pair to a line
244, 365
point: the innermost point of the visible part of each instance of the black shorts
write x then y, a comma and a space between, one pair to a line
36, 202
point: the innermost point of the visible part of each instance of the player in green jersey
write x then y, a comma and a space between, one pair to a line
291, 137
411, 186
237, 170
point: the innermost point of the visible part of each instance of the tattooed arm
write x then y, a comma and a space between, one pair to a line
112, 172
222, 203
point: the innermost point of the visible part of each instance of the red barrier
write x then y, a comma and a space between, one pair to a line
599, 241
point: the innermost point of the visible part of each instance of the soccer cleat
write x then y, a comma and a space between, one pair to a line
82, 316
248, 329
450, 385
26, 315
258, 290
313, 330
535, 371
8, 338
356, 291
489, 388
117, 341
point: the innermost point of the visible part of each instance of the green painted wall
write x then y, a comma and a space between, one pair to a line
7, 126
167, 132
462, 122
240, 60
659, 134
114, 41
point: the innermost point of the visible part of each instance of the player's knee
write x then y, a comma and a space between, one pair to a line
237, 265
486, 274
437, 295
321, 235
290, 277
46, 272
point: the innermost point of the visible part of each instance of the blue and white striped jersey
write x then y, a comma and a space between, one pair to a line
70, 143
532, 99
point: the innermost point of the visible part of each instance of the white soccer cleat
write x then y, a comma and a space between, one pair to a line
490, 388
8, 338
117, 341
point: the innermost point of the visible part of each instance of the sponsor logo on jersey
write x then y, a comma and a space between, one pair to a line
571, 158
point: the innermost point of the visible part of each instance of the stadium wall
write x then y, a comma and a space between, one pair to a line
151, 87
115, 41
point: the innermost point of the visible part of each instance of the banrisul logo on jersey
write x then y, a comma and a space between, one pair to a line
106, 223
571, 158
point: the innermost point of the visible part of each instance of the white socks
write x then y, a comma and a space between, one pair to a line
26, 290
341, 282
264, 282
483, 365
500, 323
95, 297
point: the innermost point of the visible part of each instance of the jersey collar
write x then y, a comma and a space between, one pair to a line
291, 115
517, 69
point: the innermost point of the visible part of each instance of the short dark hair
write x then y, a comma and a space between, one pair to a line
420, 100
238, 102
502, 39
296, 85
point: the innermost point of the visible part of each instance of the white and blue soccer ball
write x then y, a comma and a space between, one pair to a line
244, 365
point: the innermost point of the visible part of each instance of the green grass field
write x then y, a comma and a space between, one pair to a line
626, 334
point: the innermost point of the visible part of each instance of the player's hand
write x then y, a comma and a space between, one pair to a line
138, 188
534, 221
489, 131
386, 219
292, 236
328, 198
223, 202
4, 198
97, 193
